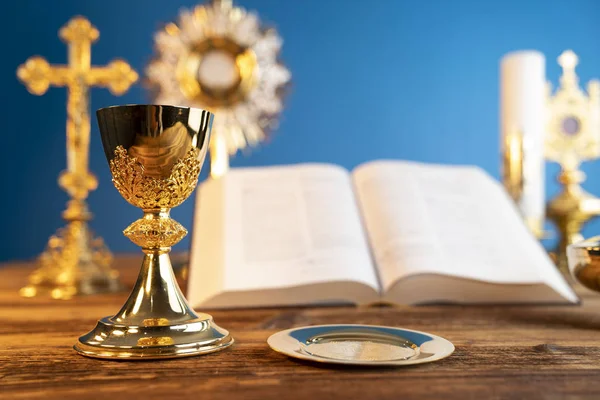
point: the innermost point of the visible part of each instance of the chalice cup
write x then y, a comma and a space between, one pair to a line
155, 154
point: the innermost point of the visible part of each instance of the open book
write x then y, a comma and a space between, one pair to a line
390, 231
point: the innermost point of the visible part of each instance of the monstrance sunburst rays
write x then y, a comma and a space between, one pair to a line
220, 57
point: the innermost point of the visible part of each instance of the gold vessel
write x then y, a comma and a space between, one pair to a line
584, 262
75, 262
155, 155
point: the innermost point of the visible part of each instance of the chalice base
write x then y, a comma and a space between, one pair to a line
155, 322
111, 340
73, 263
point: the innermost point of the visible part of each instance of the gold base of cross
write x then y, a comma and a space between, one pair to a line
74, 263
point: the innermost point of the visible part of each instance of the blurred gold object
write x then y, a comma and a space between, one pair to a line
219, 57
584, 262
513, 166
573, 136
155, 155
75, 262
514, 175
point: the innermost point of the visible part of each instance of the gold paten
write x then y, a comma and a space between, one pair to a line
364, 345
155, 155
573, 136
75, 262
219, 57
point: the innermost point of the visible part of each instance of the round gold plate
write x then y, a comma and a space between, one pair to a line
366, 345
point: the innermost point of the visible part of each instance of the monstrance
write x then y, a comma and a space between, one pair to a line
219, 57
573, 136
75, 262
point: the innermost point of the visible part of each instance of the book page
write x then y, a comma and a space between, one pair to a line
449, 220
282, 227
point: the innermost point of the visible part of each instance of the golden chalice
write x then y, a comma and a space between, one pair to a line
155, 155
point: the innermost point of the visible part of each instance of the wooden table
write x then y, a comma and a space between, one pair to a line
501, 352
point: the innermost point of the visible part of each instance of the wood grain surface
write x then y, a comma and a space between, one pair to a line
520, 352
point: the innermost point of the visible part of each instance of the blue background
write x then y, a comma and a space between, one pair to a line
371, 79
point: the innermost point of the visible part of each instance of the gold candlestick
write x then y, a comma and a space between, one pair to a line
75, 262
573, 136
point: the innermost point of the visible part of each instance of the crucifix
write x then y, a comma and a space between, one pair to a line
74, 261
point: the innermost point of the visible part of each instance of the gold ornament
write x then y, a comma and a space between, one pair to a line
75, 262
573, 136
219, 57
148, 193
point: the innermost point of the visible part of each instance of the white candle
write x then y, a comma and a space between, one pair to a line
523, 112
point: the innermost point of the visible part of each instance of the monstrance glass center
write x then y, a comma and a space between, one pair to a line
218, 71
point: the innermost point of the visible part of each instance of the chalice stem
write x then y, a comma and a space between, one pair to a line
156, 320
156, 293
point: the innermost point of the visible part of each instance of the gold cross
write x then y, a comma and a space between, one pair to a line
78, 76
75, 262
